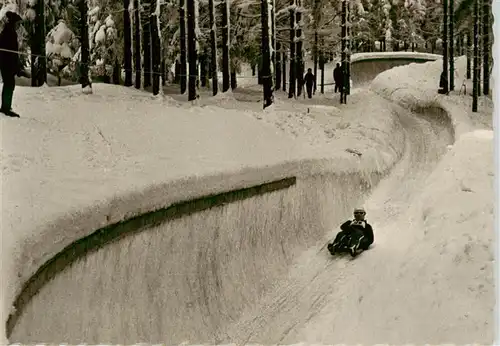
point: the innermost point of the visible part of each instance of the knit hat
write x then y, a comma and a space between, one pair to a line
359, 210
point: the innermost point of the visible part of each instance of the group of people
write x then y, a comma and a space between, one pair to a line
310, 80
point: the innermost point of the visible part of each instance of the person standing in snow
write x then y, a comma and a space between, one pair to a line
358, 231
10, 65
337, 78
309, 80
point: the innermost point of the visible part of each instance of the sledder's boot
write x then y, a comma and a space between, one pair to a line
353, 250
331, 248
9, 113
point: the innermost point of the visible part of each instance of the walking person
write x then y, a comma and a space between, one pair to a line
337, 78
309, 80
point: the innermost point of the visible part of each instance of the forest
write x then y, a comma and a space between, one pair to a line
149, 43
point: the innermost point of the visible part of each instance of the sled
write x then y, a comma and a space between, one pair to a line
343, 245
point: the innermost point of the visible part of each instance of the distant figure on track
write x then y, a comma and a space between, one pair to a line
442, 84
10, 65
356, 235
337, 78
309, 81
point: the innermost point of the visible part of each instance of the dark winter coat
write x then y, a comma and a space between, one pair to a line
309, 80
442, 80
351, 226
9, 58
337, 75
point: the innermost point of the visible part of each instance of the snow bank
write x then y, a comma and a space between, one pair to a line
103, 158
415, 87
394, 55
455, 247
456, 211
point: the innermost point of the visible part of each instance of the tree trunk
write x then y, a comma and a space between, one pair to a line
192, 53
116, 72
34, 48
41, 61
299, 52
234, 80
182, 41
292, 75
315, 59
486, 47
272, 5
452, 39
468, 53
177, 71
445, 45
156, 50
349, 48
266, 52
146, 42
322, 67
278, 67
127, 43
475, 78
343, 96
225, 46
137, 44
203, 69
283, 69
84, 43
479, 47
213, 48
163, 72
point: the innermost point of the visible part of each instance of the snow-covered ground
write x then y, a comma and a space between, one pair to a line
104, 157
96, 158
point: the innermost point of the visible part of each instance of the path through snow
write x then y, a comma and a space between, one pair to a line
328, 300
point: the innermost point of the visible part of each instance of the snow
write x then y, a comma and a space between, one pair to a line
99, 171
432, 214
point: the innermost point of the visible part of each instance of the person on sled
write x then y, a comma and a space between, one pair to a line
355, 235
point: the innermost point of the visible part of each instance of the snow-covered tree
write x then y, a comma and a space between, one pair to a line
267, 68
127, 41
226, 32
102, 40
35, 25
192, 37
156, 47
213, 47
61, 45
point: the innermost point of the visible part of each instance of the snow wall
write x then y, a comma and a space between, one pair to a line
366, 66
186, 279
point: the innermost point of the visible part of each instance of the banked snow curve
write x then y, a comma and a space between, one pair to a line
337, 182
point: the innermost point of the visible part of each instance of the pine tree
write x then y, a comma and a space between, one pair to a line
146, 41
292, 74
192, 52
127, 43
299, 54
182, 41
84, 46
137, 44
156, 50
445, 45
266, 52
225, 46
475, 76
213, 48
486, 46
